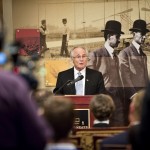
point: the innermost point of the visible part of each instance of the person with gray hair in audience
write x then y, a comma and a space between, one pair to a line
102, 107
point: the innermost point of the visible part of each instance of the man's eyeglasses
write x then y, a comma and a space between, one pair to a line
79, 57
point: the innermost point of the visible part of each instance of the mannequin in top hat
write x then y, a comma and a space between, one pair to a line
133, 62
65, 38
105, 61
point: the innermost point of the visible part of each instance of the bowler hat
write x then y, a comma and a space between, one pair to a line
139, 25
113, 26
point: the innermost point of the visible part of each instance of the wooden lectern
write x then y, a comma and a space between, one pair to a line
82, 108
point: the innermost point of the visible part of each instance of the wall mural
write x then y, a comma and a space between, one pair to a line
77, 22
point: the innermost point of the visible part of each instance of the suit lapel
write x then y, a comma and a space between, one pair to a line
71, 77
139, 57
87, 82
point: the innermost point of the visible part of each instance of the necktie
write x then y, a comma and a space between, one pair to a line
140, 51
114, 55
79, 86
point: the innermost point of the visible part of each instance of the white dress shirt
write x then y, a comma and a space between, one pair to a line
76, 75
137, 46
109, 49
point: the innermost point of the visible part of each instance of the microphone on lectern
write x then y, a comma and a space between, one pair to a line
76, 80
68, 83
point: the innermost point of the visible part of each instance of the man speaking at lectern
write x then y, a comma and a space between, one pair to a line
79, 80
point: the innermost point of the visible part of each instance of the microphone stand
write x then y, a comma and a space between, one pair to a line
62, 87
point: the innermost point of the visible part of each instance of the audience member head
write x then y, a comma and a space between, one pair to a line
40, 96
135, 109
59, 113
79, 56
102, 106
135, 113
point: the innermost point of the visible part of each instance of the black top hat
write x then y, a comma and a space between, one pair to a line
113, 26
139, 25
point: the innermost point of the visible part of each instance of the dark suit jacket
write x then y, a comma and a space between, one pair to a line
101, 125
144, 129
94, 83
121, 138
101, 60
130, 136
133, 70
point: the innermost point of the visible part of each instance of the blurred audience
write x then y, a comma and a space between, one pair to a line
135, 111
102, 107
139, 137
59, 113
40, 96
20, 127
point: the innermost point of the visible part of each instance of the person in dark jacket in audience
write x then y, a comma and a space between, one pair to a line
135, 112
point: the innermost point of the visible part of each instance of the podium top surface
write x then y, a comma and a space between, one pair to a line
84, 100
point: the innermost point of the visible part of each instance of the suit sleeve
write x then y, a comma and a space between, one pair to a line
59, 84
101, 85
124, 68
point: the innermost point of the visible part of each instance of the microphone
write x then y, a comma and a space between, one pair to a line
75, 80
56, 91
68, 83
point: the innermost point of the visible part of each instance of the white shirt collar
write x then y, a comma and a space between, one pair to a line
67, 146
109, 49
136, 45
135, 123
76, 72
97, 121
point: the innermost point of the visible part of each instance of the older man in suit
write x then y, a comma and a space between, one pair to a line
67, 81
133, 63
106, 61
